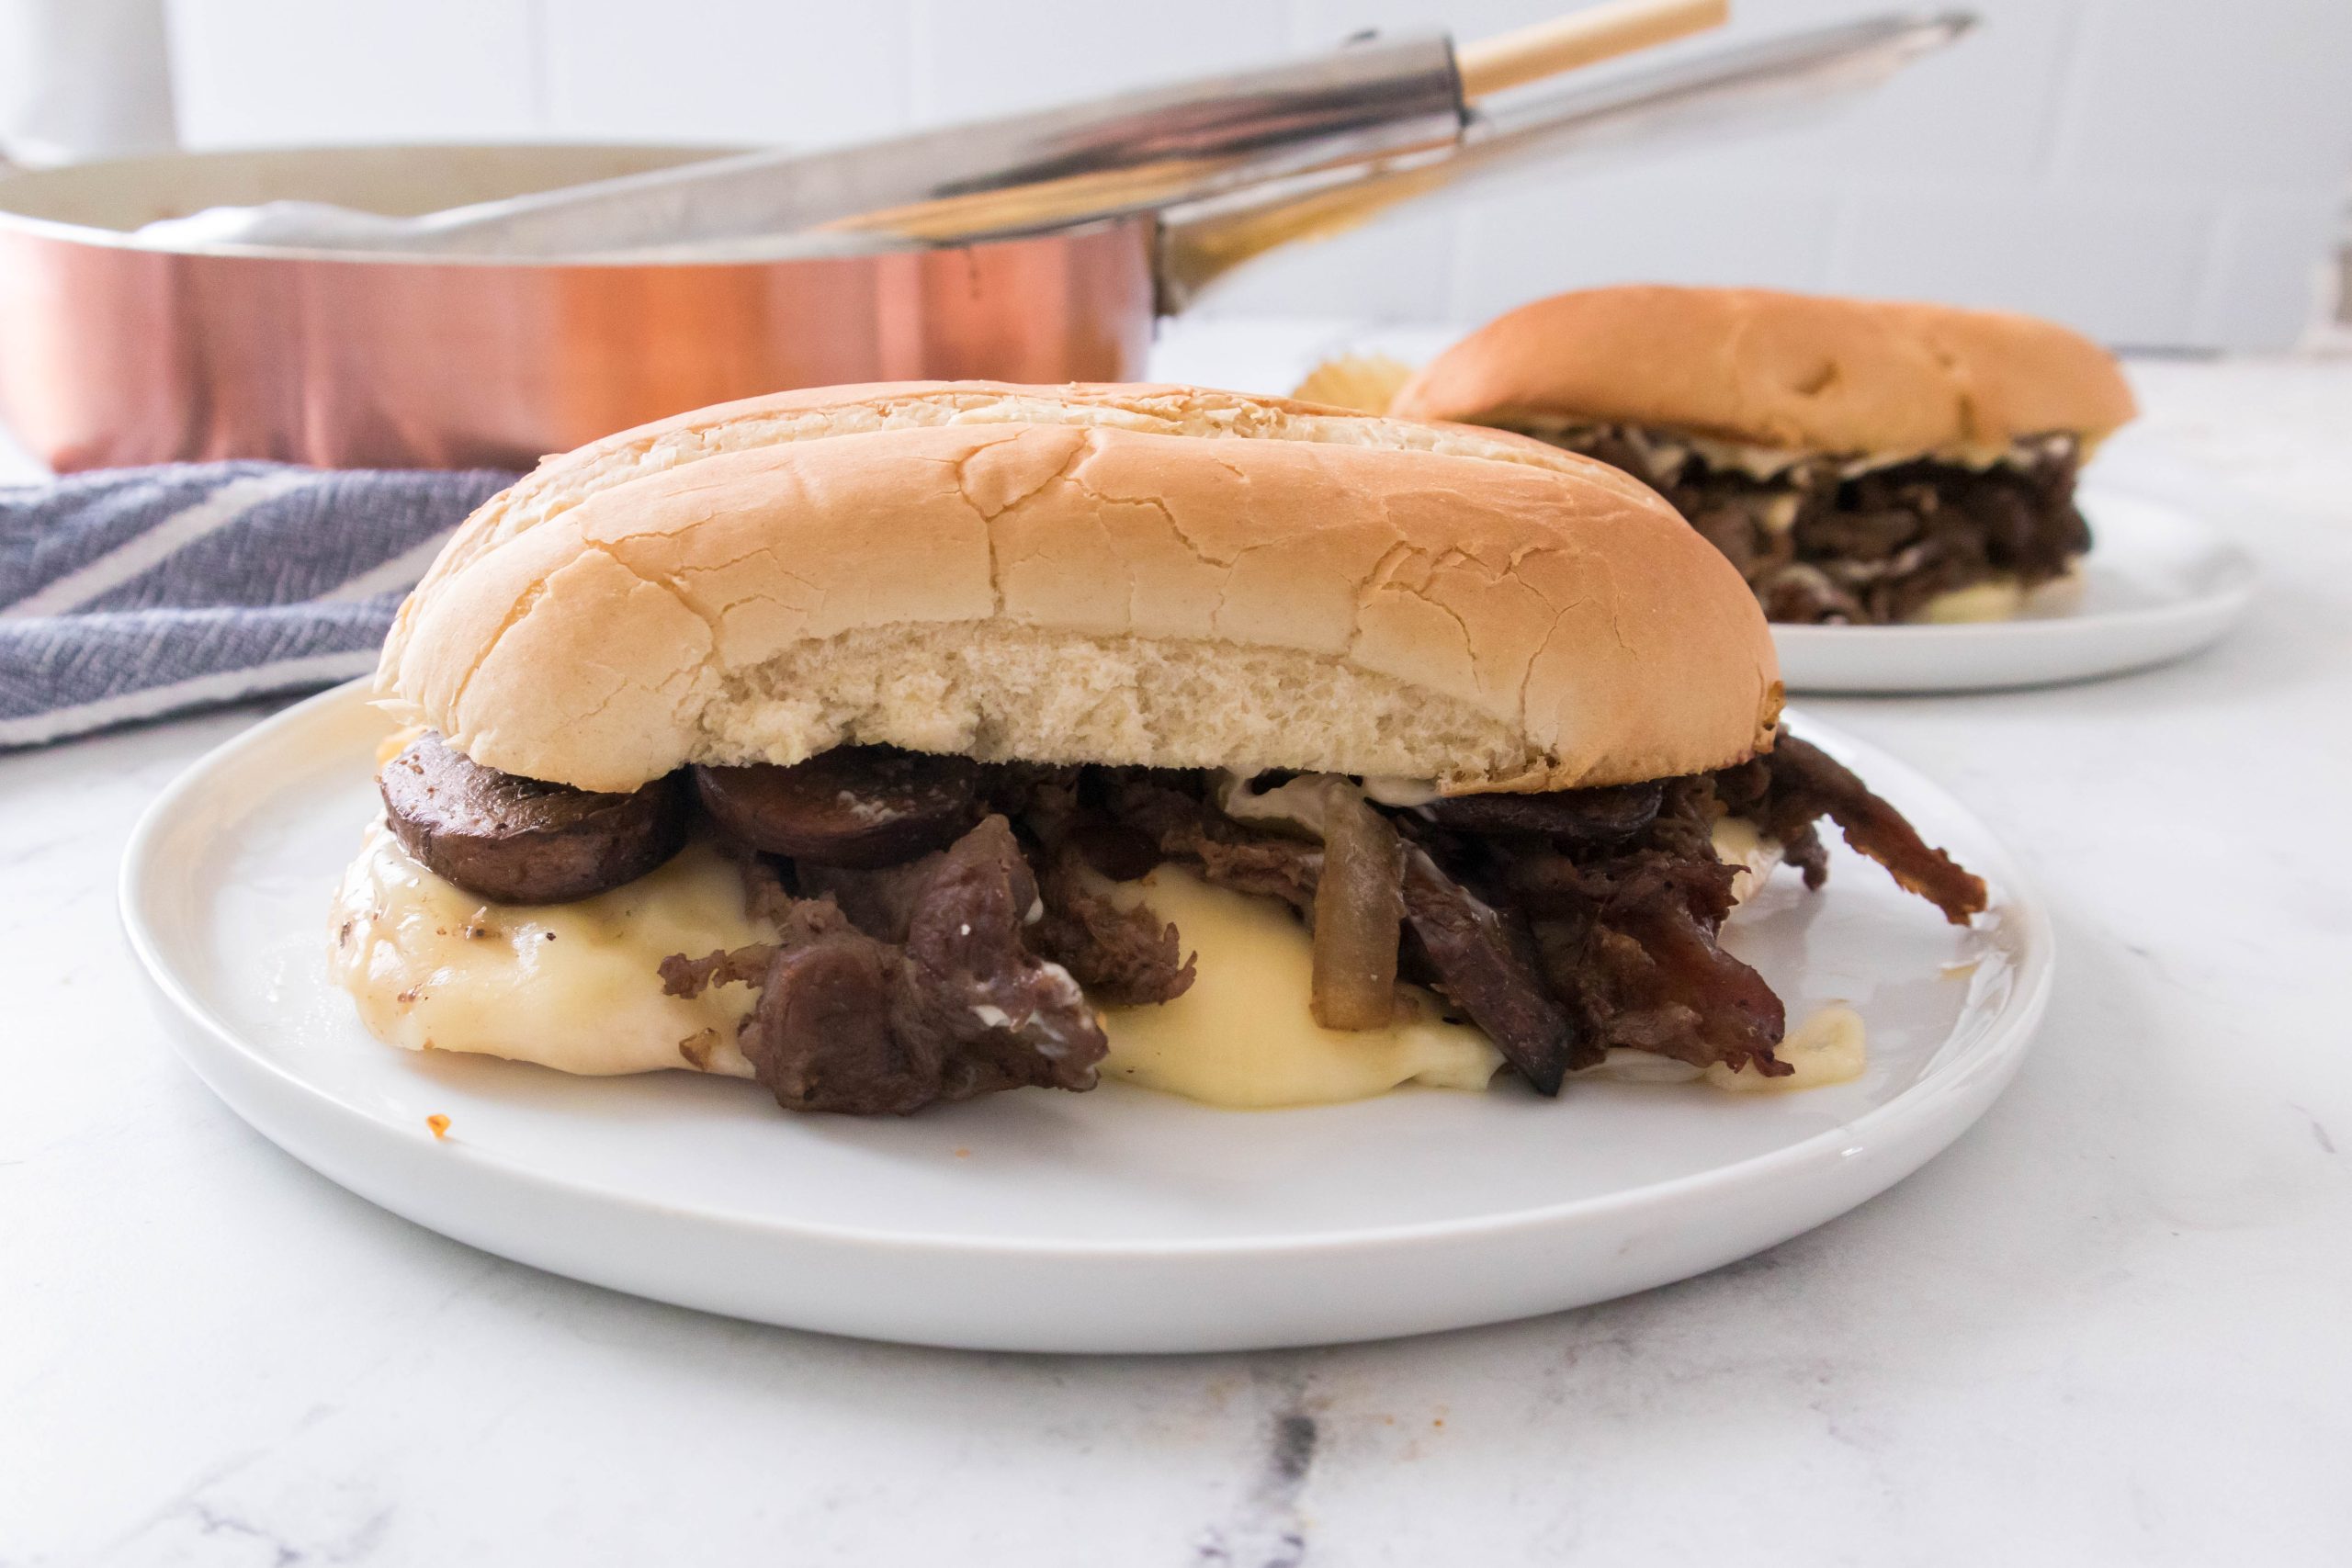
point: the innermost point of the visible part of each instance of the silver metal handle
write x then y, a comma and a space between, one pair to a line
1134, 152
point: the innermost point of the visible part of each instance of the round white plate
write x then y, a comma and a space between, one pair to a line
2160, 582
1115, 1221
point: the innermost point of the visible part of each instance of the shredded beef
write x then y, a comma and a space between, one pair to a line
880, 902
690, 977
1591, 816
765, 897
1562, 924
826, 1034
1624, 937
1676, 856
1486, 966
1796, 782
1126, 957
1671, 988
1014, 1016
1820, 544
798, 922
1171, 810
949, 1003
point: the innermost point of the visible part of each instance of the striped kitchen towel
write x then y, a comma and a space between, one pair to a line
135, 593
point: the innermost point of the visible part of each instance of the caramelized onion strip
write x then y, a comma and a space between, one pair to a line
1359, 915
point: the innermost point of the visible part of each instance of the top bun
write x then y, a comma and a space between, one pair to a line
1786, 370
1127, 574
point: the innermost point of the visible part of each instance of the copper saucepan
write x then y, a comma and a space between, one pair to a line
115, 354
116, 351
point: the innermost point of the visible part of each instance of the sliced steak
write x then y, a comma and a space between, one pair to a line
1550, 885
690, 977
824, 1035
1734, 1017
519, 841
1562, 925
856, 805
957, 1004
1803, 783
1125, 958
1628, 994
1192, 832
798, 922
1471, 954
879, 902
1818, 541
1588, 815
1114, 850
1016, 1018
1630, 949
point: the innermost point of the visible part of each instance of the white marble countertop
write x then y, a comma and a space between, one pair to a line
2108, 1326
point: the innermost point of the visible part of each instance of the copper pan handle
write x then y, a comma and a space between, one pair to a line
1754, 86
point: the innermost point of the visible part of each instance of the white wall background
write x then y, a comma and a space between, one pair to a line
2159, 173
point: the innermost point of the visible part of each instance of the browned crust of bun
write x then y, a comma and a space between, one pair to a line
810, 413
1120, 574
1787, 370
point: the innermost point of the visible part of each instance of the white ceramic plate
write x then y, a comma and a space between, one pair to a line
2161, 581
1115, 1221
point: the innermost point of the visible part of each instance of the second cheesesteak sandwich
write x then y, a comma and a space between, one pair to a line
1860, 461
897, 745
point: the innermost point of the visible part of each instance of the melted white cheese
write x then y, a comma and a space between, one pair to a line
1739, 843
1299, 803
1764, 462
1242, 1035
2004, 599
569, 985
2060, 595
1996, 601
1388, 790
1829, 1047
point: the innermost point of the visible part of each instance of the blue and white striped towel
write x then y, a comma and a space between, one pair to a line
141, 592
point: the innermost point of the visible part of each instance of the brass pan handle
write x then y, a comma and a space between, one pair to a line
1581, 37
1732, 90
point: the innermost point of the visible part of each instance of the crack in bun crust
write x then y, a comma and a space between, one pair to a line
1155, 575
